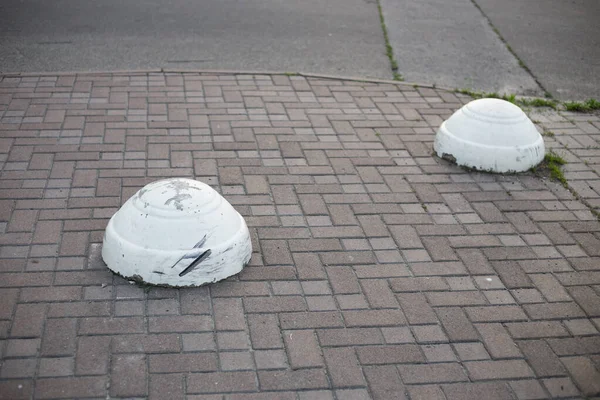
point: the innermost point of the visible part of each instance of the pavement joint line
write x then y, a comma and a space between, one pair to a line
389, 50
510, 49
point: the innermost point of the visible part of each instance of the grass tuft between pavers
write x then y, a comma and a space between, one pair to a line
551, 166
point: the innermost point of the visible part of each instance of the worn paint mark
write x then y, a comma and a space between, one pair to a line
194, 263
201, 242
178, 200
193, 253
142, 192
180, 187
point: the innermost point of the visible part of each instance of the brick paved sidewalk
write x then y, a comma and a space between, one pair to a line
379, 271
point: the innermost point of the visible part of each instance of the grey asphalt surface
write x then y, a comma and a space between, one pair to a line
341, 37
446, 42
559, 40
450, 43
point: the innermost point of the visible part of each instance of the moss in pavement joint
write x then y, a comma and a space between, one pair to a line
552, 165
388, 47
586, 106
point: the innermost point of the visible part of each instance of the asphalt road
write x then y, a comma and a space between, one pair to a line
341, 37
447, 42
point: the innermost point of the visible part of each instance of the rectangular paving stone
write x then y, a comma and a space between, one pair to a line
274, 304
588, 299
569, 346
166, 386
406, 237
475, 261
432, 373
470, 298
59, 337
438, 268
548, 311
183, 323
302, 349
343, 280
498, 341
92, 356
305, 245
541, 358
584, 373
275, 252
367, 318
71, 387
264, 331
28, 320
378, 293
349, 336
501, 369
512, 275
560, 387
128, 375
538, 329
417, 284
103, 326
343, 367
439, 248
456, 324
18, 368
416, 309
501, 313
347, 258
304, 320
8, 297
222, 382
309, 266
146, 343
389, 354
229, 314
302, 379
384, 382
550, 288
478, 390
187, 362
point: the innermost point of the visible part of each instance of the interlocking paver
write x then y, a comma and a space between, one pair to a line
379, 271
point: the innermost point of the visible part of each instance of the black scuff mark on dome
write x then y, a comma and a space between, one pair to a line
195, 263
193, 253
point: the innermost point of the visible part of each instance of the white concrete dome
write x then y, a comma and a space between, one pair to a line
490, 135
176, 232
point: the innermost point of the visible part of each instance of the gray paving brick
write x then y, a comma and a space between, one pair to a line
541, 358
378, 271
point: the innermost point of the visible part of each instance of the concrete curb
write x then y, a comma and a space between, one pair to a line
227, 72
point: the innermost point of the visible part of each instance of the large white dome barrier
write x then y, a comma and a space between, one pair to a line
176, 232
490, 135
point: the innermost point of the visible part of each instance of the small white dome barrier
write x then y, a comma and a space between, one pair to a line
176, 232
490, 135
